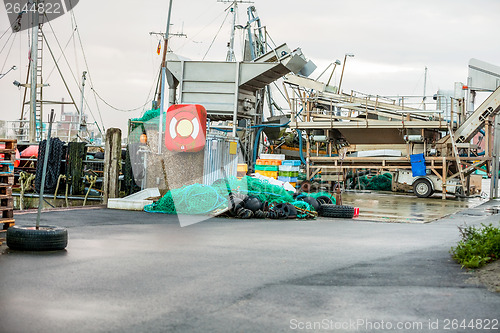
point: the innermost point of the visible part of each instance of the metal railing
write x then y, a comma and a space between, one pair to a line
65, 130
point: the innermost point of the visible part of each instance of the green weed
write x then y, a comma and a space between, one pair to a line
478, 246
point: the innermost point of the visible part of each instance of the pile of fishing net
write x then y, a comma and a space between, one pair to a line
246, 197
379, 182
148, 115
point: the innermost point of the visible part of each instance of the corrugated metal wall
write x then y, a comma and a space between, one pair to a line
219, 162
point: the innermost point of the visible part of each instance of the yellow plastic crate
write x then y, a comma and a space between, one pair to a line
270, 174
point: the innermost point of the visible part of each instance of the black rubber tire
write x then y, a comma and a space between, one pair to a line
28, 238
253, 203
313, 202
293, 211
422, 188
324, 200
337, 211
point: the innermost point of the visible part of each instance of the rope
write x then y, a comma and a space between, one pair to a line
117, 109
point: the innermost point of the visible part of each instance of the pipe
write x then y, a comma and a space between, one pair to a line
257, 138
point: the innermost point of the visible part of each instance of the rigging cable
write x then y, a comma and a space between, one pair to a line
87, 66
53, 68
7, 30
74, 78
217, 34
8, 53
191, 39
128, 110
7, 42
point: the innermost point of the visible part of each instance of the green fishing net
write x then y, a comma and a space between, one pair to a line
203, 199
380, 182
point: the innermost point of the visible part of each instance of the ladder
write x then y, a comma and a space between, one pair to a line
457, 158
39, 88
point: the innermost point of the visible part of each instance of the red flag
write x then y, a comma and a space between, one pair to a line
158, 49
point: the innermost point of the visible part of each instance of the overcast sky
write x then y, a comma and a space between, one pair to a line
393, 41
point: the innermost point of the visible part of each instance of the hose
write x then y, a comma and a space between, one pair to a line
301, 153
25, 179
57, 187
92, 180
257, 138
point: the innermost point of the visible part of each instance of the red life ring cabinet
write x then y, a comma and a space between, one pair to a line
186, 127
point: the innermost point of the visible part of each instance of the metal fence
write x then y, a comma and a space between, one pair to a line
221, 158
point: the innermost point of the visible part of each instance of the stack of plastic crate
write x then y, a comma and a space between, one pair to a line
289, 171
268, 165
241, 170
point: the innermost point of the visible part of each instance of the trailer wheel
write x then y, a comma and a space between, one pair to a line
422, 188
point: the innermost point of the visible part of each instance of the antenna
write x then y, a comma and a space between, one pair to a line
234, 9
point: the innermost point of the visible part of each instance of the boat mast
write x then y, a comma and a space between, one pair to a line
161, 96
234, 10
81, 127
230, 50
425, 86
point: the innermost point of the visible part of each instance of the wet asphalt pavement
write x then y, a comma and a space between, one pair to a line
139, 272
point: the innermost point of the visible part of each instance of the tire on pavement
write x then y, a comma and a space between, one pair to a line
28, 238
330, 210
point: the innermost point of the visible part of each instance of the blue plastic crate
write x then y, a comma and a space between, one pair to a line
287, 179
292, 162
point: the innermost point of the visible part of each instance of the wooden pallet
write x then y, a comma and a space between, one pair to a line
6, 180
9, 143
6, 213
7, 223
6, 168
5, 191
7, 155
7, 203
7, 158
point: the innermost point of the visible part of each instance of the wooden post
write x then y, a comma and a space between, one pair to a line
445, 171
112, 164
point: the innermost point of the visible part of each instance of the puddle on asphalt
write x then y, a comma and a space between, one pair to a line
386, 207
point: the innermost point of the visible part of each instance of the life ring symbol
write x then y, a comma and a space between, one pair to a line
187, 126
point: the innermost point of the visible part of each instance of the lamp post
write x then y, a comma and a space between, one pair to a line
13, 68
343, 66
337, 62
